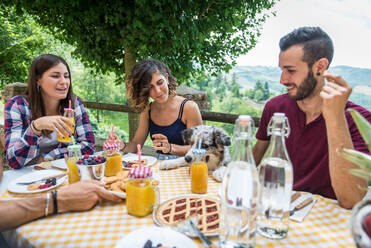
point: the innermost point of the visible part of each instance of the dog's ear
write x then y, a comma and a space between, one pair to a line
187, 135
221, 137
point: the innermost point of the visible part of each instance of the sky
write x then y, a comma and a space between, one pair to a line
347, 22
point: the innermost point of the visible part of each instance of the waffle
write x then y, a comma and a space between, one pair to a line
180, 208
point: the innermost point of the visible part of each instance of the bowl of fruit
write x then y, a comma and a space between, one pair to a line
91, 167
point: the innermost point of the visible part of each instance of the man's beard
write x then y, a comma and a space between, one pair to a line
306, 88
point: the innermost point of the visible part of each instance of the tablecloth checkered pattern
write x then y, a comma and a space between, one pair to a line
327, 224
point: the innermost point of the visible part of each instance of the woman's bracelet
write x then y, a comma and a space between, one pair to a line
169, 148
34, 129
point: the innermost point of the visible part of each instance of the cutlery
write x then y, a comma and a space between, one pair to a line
43, 179
301, 205
200, 234
295, 196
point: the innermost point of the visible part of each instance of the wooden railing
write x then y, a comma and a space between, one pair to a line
206, 115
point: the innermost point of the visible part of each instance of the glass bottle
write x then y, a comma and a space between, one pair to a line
199, 173
276, 179
239, 192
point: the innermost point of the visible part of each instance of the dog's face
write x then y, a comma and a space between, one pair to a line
214, 140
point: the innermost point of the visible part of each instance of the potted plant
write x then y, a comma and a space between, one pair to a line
361, 213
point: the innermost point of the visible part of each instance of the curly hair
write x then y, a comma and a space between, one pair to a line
138, 83
316, 44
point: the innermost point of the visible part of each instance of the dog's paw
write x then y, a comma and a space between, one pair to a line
163, 165
218, 174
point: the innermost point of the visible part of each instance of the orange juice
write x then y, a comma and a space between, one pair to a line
113, 165
199, 175
73, 172
140, 197
66, 138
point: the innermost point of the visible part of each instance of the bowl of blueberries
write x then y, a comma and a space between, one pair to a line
91, 167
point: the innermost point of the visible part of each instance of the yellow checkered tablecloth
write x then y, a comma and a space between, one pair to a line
327, 225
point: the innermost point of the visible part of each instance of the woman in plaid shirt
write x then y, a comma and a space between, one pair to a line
33, 121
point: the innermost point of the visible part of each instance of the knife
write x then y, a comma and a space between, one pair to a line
301, 205
201, 235
43, 179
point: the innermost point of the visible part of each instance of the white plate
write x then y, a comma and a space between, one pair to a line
35, 175
166, 236
60, 164
130, 157
119, 194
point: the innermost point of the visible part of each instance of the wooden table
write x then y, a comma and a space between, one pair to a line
327, 225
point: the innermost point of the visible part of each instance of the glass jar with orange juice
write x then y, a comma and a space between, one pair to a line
74, 153
114, 159
70, 114
199, 173
142, 193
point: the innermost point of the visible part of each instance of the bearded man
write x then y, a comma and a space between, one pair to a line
318, 118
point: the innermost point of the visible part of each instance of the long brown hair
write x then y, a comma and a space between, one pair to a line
40, 65
139, 82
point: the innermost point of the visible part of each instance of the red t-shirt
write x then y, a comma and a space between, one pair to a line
307, 144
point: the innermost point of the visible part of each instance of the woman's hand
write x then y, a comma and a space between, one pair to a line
56, 123
116, 139
160, 143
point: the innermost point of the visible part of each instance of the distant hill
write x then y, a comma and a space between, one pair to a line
358, 78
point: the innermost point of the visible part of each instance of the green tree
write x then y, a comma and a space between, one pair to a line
235, 87
21, 40
191, 36
259, 95
266, 91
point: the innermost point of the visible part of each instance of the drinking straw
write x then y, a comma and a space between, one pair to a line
112, 132
139, 155
199, 144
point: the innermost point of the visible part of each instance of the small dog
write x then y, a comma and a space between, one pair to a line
213, 139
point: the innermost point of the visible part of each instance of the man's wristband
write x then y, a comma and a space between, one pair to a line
47, 204
54, 194
169, 148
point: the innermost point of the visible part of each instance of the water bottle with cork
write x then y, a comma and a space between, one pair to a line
239, 191
276, 179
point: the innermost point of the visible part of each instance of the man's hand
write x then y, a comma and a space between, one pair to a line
335, 95
83, 195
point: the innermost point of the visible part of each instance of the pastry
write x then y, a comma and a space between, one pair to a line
135, 163
118, 182
180, 208
33, 186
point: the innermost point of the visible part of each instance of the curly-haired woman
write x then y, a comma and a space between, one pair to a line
166, 116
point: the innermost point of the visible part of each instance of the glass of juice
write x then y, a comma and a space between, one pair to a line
69, 113
74, 153
142, 193
199, 173
114, 159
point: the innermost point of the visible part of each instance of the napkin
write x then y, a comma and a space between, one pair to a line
300, 215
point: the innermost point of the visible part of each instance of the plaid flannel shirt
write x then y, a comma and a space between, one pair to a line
22, 144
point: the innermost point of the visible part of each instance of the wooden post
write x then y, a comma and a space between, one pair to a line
13, 89
133, 117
